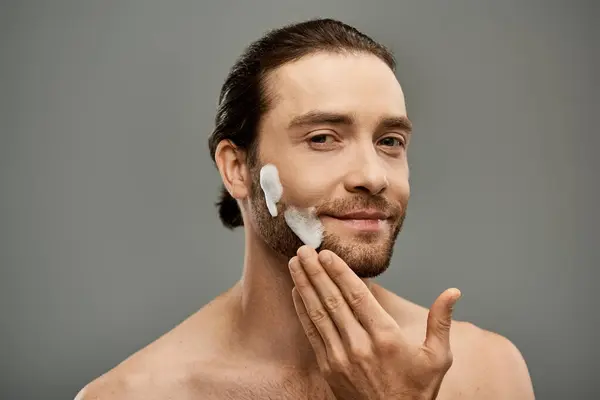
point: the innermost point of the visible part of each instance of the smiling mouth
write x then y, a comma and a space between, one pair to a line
370, 224
364, 214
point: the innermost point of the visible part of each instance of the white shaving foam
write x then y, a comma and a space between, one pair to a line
271, 186
303, 222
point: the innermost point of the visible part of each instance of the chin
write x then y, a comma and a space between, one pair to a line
364, 239
368, 255
371, 270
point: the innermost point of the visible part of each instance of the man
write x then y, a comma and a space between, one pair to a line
319, 101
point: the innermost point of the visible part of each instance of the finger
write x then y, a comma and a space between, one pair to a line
310, 330
365, 306
350, 329
439, 321
314, 308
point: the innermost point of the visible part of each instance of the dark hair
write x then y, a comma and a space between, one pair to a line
243, 99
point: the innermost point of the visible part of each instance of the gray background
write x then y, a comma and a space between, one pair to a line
108, 233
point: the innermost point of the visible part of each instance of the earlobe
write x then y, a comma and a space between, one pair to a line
231, 162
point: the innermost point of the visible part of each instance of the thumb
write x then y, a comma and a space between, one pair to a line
440, 319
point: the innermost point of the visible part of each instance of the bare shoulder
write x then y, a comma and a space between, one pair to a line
107, 386
140, 376
162, 370
143, 384
170, 366
496, 367
486, 364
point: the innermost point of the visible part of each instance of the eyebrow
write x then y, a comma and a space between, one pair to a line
316, 117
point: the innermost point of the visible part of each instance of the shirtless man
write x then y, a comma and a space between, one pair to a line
320, 102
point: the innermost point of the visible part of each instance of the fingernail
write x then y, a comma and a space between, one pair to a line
457, 296
325, 258
304, 252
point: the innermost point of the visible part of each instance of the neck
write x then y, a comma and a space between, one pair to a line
268, 325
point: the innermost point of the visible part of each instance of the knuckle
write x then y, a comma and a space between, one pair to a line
301, 281
387, 344
302, 284
386, 340
357, 298
339, 364
317, 314
312, 333
441, 362
333, 303
314, 271
360, 353
442, 324
446, 361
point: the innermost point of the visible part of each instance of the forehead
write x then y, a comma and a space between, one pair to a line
361, 84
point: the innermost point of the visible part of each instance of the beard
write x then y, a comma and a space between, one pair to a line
368, 254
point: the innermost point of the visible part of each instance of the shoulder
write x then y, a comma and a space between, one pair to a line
486, 365
134, 378
176, 364
108, 386
503, 371
133, 382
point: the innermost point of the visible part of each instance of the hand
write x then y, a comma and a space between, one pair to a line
360, 349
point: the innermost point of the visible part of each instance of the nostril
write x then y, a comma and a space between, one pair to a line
362, 189
371, 190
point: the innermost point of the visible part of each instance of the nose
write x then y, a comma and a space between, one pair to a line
367, 174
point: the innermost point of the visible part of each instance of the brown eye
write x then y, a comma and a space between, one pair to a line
322, 139
392, 141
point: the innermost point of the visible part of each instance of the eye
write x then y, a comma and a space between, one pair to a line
392, 141
322, 139
323, 142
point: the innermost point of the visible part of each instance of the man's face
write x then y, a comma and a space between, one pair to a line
338, 134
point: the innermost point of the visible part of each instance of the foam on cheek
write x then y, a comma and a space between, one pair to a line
305, 225
303, 222
271, 186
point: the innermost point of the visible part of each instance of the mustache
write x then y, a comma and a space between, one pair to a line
351, 204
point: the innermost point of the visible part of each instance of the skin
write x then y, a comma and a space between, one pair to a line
335, 165
295, 326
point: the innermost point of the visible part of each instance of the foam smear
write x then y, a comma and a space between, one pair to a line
305, 225
303, 222
271, 186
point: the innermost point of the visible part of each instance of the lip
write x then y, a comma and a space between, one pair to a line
363, 220
365, 214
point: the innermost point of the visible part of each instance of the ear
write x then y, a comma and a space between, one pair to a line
231, 162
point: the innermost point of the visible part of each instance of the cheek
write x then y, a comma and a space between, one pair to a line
399, 187
307, 187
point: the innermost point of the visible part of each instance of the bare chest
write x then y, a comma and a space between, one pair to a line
301, 388
256, 384
264, 387
292, 391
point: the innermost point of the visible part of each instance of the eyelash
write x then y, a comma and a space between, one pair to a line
401, 141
